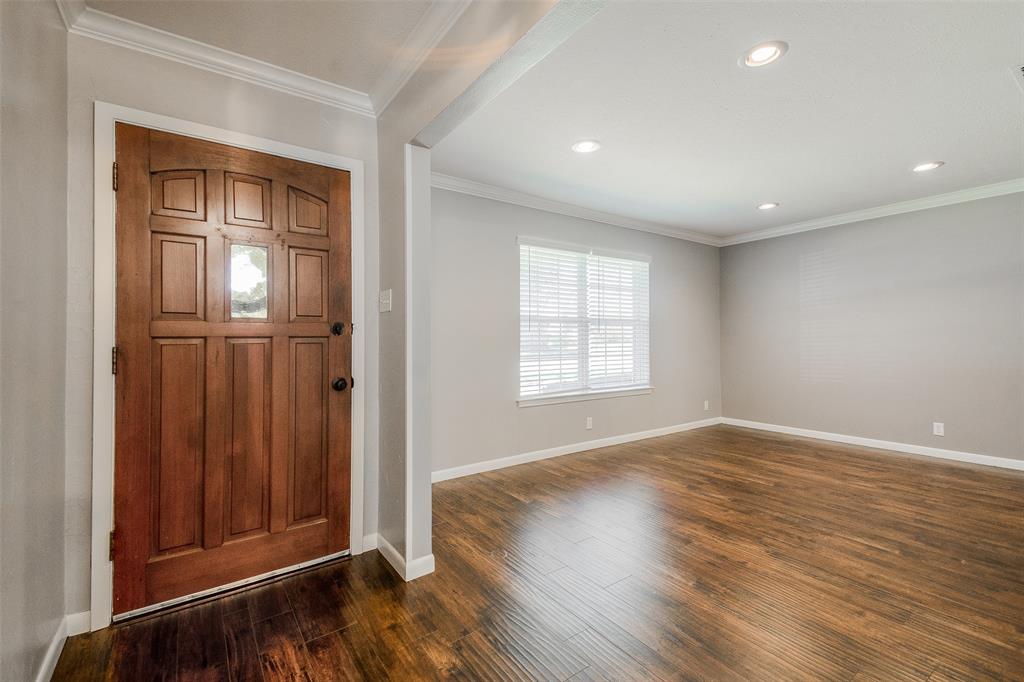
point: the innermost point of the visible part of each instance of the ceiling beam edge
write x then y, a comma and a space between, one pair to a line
424, 37
558, 25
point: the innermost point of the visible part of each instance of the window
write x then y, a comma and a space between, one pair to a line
249, 281
584, 321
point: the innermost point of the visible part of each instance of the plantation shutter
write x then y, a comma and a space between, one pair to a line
584, 321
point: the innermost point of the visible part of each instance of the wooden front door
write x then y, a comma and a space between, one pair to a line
233, 363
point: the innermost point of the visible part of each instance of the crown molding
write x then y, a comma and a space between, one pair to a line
70, 10
85, 21
508, 196
935, 201
438, 19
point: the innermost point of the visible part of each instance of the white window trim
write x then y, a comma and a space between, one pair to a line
585, 395
582, 248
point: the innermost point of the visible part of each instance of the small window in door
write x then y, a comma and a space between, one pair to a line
249, 280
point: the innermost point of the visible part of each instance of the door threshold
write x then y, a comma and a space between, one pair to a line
224, 590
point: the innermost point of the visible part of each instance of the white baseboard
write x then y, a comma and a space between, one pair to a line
970, 457
417, 568
393, 556
927, 451
369, 542
52, 655
501, 463
78, 623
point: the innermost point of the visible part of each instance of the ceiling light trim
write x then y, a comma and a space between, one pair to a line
935, 201
92, 23
508, 196
586, 146
928, 166
421, 41
779, 47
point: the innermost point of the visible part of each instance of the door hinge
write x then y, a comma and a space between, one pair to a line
113, 360
111, 545
114, 176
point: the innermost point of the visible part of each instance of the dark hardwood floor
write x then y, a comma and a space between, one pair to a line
718, 554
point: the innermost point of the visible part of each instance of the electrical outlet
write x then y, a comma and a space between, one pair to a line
938, 429
590, 423
385, 301
707, 405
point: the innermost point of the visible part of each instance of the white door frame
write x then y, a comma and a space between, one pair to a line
104, 299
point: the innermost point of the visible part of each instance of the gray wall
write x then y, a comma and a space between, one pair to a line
475, 333
33, 234
104, 72
879, 328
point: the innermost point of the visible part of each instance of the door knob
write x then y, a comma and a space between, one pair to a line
339, 384
338, 328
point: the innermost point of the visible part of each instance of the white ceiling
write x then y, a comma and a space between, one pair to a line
692, 140
345, 42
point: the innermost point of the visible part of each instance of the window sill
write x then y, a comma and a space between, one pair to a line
577, 397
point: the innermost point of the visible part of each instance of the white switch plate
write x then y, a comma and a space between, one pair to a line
707, 405
385, 301
938, 429
590, 422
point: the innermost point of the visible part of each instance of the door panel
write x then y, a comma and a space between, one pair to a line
308, 286
308, 461
306, 213
231, 448
179, 194
179, 285
178, 442
248, 437
247, 201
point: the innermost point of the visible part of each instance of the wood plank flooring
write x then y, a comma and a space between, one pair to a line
717, 554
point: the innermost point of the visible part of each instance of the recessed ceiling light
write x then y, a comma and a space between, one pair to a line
768, 206
586, 146
931, 165
765, 53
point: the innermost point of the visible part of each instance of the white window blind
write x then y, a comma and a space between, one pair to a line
584, 321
